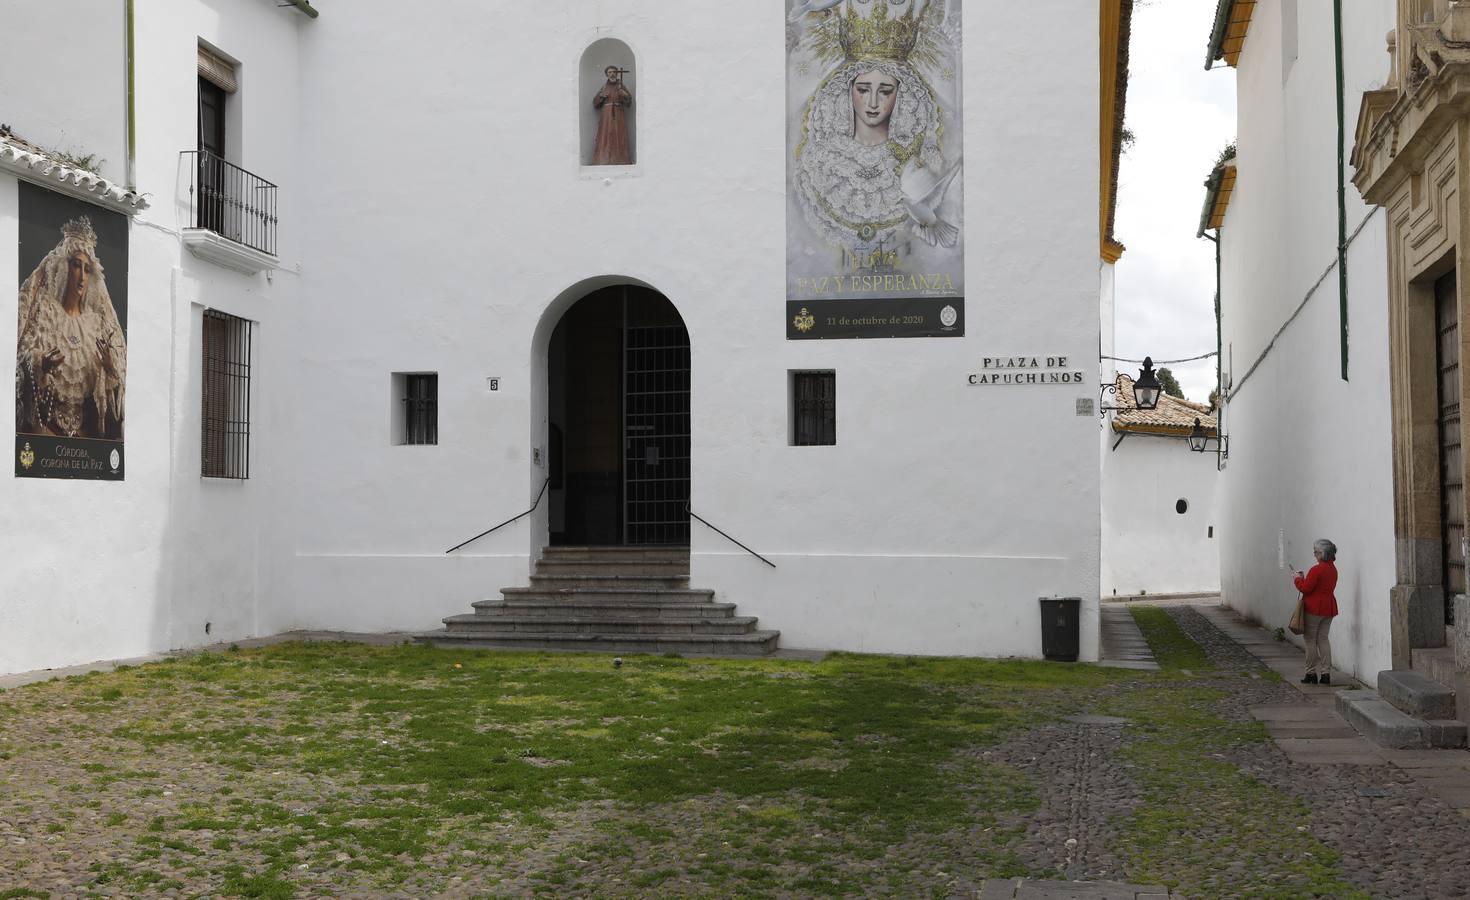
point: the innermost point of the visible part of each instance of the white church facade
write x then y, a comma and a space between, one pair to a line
811, 292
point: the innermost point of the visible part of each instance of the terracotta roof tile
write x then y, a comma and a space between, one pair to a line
24, 159
1232, 23
1172, 416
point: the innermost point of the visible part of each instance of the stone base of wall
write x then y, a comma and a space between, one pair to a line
1460, 640
1416, 617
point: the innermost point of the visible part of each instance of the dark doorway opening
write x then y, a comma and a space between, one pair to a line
618, 410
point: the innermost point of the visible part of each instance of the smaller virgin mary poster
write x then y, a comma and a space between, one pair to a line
875, 239
71, 355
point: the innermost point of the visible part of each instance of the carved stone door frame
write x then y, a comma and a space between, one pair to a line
1412, 158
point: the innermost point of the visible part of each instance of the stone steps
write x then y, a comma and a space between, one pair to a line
608, 599
560, 582
756, 643
474, 623
1416, 695
552, 554
1387, 726
641, 568
609, 595
579, 607
1436, 664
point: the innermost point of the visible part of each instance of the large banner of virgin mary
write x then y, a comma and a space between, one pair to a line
71, 353
875, 236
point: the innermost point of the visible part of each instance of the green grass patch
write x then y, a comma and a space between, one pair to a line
368, 765
1200, 811
1173, 649
386, 755
269, 885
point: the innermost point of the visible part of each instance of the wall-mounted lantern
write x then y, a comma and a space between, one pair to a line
1199, 442
1146, 389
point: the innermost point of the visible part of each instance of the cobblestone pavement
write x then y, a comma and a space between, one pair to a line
1397, 837
1378, 809
1083, 790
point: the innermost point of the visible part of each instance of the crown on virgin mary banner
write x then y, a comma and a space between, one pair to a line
877, 36
80, 230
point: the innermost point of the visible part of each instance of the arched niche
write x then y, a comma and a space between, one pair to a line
592, 76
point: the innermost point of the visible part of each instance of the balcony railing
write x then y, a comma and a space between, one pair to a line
230, 201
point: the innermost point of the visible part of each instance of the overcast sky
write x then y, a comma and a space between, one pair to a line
1181, 116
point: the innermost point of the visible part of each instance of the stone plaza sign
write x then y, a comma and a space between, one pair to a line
1025, 370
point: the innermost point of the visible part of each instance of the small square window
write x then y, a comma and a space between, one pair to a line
416, 418
813, 409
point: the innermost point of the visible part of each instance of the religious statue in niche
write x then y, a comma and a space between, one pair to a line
611, 147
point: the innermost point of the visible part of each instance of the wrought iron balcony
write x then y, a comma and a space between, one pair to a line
227, 200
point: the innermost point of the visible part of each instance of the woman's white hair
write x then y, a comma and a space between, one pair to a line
1326, 548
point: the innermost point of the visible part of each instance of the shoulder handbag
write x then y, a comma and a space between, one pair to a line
1297, 625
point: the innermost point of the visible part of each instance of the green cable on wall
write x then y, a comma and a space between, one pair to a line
1342, 278
132, 101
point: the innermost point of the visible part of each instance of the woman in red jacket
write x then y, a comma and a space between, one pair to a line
1320, 607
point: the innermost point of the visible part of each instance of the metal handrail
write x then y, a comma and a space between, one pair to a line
234, 203
722, 534
539, 495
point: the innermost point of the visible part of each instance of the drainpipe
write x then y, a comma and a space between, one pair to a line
132, 125
1342, 277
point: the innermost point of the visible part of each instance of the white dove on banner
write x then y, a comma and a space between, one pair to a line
810, 6
923, 192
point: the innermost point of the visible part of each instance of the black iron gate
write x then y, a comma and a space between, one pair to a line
1451, 468
655, 423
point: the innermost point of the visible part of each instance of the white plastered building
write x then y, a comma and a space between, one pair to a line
1159, 499
432, 216
1306, 397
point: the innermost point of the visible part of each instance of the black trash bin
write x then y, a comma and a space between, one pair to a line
1061, 628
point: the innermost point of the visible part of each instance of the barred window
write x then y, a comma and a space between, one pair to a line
420, 396
813, 409
225, 448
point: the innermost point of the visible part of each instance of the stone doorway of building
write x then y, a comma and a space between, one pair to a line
618, 368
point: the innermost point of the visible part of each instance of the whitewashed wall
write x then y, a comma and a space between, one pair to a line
61, 78
1309, 452
434, 217
1148, 547
451, 225
230, 541
103, 570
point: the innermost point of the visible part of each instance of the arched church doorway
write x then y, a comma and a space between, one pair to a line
618, 421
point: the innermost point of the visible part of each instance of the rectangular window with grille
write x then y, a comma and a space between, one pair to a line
225, 448
813, 409
420, 396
